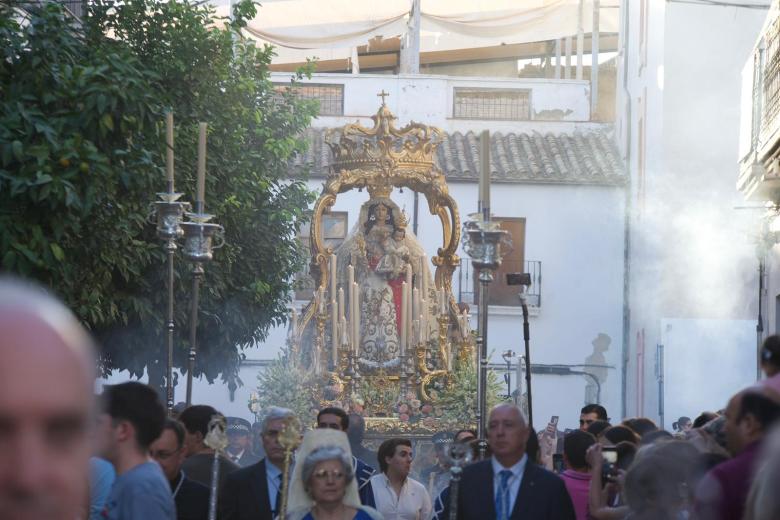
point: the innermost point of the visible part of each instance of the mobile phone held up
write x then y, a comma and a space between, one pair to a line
609, 455
558, 466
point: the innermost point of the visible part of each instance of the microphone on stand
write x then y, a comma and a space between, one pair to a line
524, 280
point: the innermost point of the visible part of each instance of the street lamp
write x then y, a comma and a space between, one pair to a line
486, 243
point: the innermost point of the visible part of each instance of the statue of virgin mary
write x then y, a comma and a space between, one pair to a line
379, 247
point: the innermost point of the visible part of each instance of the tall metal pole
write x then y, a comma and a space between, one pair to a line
527, 341
170, 248
197, 276
760, 319
485, 277
594, 60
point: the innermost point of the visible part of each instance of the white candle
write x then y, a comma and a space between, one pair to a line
356, 323
344, 333
351, 298
333, 263
415, 302
416, 330
409, 314
342, 311
169, 148
334, 331
293, 323
201, 191
424, 317
404, 317
423, 275
321, 300
484, 167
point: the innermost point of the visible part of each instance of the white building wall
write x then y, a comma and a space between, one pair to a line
691, 256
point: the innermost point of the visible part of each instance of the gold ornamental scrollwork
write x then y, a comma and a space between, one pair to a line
379, 159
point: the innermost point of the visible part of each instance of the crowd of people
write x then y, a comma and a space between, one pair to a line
66, 454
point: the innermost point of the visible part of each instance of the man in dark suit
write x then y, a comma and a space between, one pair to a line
191, 498
337, 419
239, 449
254, 492
509, 486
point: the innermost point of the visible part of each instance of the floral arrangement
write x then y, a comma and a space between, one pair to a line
411, 410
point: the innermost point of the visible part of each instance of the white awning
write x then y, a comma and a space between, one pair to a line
329, 29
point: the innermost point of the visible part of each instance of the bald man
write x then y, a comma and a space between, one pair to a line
46, 378
509, 486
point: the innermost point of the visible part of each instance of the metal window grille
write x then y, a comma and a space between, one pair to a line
76, 7
330, 97
771, 75
533, 292
492, 103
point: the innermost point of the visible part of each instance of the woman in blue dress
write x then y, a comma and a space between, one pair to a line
323, 486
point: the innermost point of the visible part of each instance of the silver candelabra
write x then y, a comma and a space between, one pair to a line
199, 236
169, 211
486, 243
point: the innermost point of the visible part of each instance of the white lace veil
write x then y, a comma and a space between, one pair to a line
299, 499
350, 246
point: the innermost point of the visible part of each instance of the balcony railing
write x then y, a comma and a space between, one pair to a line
466, 283
771, 74
759, 168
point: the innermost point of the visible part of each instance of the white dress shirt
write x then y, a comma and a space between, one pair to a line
514, 481
412, 504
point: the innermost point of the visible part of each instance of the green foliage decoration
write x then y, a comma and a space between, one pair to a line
457, 403
285, 383
82, 156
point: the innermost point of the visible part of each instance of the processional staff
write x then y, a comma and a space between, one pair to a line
289, 439
216, 439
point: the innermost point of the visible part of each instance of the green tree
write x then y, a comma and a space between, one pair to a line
82, 151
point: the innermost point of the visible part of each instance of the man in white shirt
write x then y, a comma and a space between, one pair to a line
397, 496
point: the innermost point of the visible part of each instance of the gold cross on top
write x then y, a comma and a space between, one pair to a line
382, 95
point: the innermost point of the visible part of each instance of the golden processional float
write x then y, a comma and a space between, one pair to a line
382, 334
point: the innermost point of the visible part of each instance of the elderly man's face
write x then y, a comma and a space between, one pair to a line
45, 413
507, 433
273, 450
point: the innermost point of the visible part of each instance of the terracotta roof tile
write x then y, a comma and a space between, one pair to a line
582, 157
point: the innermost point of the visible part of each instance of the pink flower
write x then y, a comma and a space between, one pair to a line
427, 408
415, 403
404, 417
403, 409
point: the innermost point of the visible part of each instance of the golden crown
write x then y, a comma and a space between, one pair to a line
384, 151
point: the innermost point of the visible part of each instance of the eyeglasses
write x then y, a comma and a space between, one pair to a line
324, 474
163, 455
